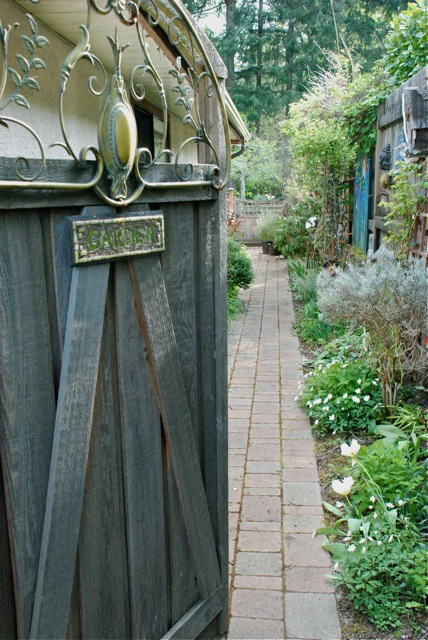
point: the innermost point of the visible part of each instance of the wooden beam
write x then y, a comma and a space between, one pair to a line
157, 327
70, 451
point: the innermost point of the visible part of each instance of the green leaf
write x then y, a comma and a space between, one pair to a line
354, 525
392, 516
337, 549
332, 509
329, 531
390, 432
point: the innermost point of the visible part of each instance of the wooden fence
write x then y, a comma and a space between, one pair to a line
402, 128
247, 212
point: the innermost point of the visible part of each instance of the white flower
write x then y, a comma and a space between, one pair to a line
332, 417
309, 404
374, 515
366, 398
326, 408
371, 506
374, 382
359, 381
372, 499
358, 390
362, 541
391, 538
379, 542
305, 376
317, 401
326, 400
296, 398
356, 399
351, 548
316, 422
370, 538
350, 451
400, 503
339, 504
347, 539
345, 395
338, 401
363, 550
343, 487
389, 505
329, 397
336, 566
320, 367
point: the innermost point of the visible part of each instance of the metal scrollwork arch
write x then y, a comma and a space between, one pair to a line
117, 154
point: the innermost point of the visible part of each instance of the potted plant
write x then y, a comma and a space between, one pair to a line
265, 228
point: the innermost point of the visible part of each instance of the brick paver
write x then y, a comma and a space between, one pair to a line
278, 572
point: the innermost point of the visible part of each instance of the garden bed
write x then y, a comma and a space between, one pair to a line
332, 465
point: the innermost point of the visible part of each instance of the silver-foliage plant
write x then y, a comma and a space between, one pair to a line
389, 300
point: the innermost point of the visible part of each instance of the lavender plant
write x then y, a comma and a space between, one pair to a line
388, 298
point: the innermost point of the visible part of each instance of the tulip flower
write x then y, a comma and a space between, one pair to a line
343, 487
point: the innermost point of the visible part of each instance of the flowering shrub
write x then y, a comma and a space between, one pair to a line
342, 397
382, 557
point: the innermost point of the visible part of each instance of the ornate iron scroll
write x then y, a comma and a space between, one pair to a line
117, 155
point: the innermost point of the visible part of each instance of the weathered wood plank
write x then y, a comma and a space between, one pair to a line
7, 600
27, 398
143, 476
220, 252
25, 197
179, 271
390, 117
70, 452
197, 618
102, 546
155, 320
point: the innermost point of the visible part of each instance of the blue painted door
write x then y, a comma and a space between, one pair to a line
361, 202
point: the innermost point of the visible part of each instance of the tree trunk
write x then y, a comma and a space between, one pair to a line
243, 184
259, 58
231, 43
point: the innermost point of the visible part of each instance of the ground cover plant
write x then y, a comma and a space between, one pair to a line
240, 275
373, 467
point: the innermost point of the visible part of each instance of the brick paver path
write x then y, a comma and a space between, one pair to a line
277, 569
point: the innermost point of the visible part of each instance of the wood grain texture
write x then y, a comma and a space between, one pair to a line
67, 170
220, 253
102, 546
27, 398
7, 600
143, 476
70, 452
197, 618
179, 271
157, 327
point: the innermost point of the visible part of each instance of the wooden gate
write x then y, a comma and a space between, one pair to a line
113, 505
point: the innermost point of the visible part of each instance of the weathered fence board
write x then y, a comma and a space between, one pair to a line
163, 355
27, 398
143, 476
70, 451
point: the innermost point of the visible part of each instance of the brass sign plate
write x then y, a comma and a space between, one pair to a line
111, 238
